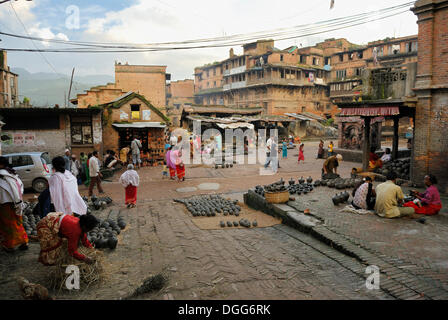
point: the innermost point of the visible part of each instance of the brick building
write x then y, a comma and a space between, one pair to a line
9, 93
431, 119
51, 130
279, 81
348, 67
149, 81
180, 92
127, 116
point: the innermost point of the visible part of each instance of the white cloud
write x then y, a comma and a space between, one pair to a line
149, 21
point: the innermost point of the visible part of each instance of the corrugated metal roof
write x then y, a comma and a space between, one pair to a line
298, 116
313, 116
139, 125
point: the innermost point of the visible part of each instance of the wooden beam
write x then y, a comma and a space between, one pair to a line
395, 139
366, 144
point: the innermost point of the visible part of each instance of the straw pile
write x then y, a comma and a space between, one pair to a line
89, 273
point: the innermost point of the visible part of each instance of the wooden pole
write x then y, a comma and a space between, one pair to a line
395, 139
366, 144
70, 89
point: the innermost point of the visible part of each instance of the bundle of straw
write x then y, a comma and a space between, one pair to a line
89, 273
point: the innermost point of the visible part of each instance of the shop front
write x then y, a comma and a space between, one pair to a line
151, 135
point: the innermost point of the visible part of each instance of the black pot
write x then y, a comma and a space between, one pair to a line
112, 242
335, 200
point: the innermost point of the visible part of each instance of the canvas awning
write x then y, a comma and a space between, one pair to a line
139, 125
371, 111
235, 125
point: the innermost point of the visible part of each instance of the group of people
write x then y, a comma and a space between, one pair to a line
388, 196
377, 162
87, 169
68, 221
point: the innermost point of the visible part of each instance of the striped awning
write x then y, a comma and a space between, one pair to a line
371, 111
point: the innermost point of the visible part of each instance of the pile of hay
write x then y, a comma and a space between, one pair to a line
89, 273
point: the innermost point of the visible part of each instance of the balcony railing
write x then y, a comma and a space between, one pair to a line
281, 81
235, 85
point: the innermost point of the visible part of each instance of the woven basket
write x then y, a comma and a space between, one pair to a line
277, 197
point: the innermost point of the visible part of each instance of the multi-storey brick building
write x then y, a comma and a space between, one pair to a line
279, 81
9, 93
347, 67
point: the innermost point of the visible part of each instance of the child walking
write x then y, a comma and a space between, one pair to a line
165, 170
284, 149
301, 155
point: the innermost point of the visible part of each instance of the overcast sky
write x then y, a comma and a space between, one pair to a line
143, 21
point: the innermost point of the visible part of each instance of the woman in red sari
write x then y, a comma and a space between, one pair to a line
12, 232
429, 202
171, 166
180, 167
57, 226
130, 180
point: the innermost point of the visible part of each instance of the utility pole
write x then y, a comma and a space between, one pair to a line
70, 89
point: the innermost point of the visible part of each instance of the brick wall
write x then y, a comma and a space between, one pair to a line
51, 141
431, 118
149, 81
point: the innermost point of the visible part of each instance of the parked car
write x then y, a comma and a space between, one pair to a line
33, 168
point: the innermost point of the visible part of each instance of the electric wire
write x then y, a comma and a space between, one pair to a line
276, 34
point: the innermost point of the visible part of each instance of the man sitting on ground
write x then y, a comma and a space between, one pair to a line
386, 156
388, 196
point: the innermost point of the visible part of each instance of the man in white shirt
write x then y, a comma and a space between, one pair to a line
386, 156
95, 174
136, 145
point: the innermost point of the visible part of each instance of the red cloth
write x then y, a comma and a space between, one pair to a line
172, 172
131, 194
12, 232
71, 230
180, 170
301, 156
373, 156
426, 209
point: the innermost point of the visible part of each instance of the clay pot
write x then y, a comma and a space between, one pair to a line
346, 196
291, 182
336, 199
309, 179
301, 180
